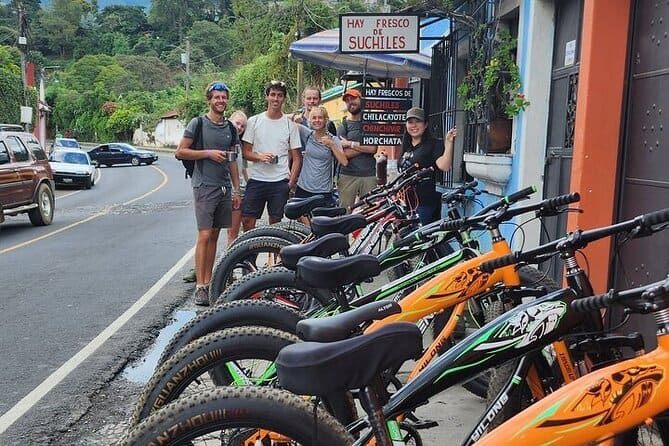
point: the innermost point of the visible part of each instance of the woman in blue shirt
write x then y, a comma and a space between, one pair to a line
320, 149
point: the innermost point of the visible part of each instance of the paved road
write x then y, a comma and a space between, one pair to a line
63, 285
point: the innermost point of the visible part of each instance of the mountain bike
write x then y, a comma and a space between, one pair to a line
324, 369
379, 212
222, 355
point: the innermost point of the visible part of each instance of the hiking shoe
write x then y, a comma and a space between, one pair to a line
202, 296
190, 277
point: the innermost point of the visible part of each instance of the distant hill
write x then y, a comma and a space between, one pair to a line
146, 4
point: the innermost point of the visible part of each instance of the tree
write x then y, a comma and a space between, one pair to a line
58, 24
172, 18
152, 73
212, 41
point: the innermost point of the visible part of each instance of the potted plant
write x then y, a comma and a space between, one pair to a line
491, 89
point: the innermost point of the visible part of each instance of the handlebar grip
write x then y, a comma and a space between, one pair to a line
408, 240
470, 185
453, 225
490, 265
561, 200
653, 218
523, 193
660, 291
587, 304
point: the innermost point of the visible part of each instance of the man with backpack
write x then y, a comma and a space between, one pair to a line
208, 150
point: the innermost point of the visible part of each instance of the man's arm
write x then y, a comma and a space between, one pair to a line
295, 167
250, 155
184, 152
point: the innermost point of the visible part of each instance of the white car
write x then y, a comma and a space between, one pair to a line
72, 167
65, 143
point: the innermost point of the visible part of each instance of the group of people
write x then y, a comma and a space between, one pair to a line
276, 154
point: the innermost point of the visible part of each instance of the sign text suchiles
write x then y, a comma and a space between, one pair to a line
379, 33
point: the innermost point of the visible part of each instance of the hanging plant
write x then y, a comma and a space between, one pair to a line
492, 82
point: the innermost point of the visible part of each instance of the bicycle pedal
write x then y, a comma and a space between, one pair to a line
420, 423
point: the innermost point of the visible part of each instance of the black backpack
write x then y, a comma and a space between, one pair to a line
189, 165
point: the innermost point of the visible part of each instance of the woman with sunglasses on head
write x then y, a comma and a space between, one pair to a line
420, 147
320, 150
211, 141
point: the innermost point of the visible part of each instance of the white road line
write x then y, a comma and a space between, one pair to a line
30, 400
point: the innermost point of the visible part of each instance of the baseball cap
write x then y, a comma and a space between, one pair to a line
352, 92
416, 112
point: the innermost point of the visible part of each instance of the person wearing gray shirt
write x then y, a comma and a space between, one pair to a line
359, 177
320, 149
215, 180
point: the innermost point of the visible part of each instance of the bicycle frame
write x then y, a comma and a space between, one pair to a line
514, 334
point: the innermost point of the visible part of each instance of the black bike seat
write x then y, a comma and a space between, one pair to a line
344, 224
321, 247
343, 325
318, 272
317, 368
296, 208
328, 212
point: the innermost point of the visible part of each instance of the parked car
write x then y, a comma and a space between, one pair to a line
72, 167
121, 153
26, 180
65, 143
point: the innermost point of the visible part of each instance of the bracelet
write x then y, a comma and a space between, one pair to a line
236, 193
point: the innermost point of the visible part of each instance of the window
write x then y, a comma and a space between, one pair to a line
35, 148
5, 152
18, 149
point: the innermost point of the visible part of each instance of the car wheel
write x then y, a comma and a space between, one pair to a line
134, 161
148, 163
89, 183
42, 215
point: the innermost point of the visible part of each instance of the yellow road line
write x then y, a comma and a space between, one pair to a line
89, 218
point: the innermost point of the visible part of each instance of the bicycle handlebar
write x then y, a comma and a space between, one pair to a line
580, 239
456, 193
652, 292
393, 190
543, 208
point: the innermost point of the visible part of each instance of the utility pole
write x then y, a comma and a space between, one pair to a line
185, 59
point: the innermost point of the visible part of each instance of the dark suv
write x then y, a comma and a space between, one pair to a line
26, 180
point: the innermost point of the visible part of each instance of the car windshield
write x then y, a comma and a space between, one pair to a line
68, 143
69, 157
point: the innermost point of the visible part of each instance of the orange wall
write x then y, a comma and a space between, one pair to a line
597, 138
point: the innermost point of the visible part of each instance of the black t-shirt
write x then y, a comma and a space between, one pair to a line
425, 155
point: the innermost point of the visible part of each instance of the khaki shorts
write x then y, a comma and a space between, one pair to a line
213, 207
350, 187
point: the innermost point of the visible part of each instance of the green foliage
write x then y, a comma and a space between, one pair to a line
11, 96
492, 80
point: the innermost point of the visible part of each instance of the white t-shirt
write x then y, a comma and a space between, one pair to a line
277, 136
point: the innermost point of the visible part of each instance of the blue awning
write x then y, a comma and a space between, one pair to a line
323, 49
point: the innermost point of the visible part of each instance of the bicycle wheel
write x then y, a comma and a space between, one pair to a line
239, 356
257, 312
235, 416
243, 258
268, 231
294, 226
277, 284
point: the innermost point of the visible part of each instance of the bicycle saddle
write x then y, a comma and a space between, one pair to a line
343, 325
322, 247
328, 212
316, 368
318, 272
344, 224
296, 208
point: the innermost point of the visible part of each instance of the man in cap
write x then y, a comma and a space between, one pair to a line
359, 177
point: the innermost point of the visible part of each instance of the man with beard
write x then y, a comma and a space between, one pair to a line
210, 141
270, 140
359, 177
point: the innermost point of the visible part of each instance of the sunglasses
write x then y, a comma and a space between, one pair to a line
279, 83
218, 86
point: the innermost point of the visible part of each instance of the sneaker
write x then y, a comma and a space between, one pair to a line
190, 277
202, 296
